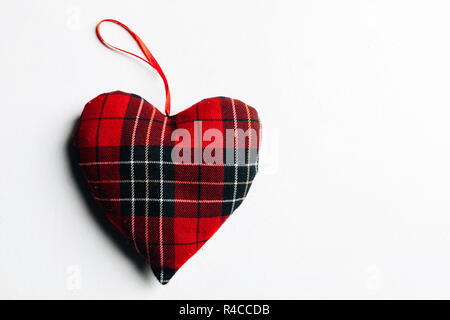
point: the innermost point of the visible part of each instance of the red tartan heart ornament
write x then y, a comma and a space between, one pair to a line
167, 209
167, 183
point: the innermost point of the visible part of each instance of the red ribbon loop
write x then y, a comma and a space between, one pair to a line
150, 59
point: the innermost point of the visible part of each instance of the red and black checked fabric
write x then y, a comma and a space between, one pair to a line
166, 210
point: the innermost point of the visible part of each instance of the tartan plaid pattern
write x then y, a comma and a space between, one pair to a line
166, 210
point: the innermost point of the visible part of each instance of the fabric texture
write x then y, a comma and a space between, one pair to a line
166, 209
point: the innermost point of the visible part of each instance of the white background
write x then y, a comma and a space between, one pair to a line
352, 199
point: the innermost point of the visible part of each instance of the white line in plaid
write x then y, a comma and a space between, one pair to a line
93, 163
235, 155
147, 140
168, 200
161, 176
133, 140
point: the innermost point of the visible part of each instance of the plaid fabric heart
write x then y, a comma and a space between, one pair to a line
167, 183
